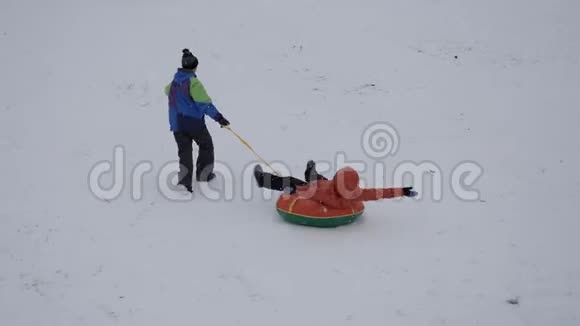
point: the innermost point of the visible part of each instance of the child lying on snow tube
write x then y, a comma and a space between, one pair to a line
322, 202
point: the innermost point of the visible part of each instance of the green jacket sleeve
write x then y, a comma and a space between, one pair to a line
167, 88
198, 92
204, 103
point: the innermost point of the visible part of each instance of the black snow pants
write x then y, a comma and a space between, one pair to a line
274, 182
205, 159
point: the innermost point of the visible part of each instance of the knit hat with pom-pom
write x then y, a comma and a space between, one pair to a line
188, 60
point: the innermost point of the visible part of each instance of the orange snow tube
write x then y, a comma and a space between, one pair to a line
309, 212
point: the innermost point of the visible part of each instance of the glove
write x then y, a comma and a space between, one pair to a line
222, 121
409, 192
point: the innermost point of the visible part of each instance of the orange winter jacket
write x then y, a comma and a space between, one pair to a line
343, 190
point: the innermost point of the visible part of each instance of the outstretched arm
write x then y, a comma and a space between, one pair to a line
376, 194
199, 95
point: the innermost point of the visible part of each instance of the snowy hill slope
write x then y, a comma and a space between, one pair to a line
491, 82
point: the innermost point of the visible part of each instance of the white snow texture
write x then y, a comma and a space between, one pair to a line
493, 82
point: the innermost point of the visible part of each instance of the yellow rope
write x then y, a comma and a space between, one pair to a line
251, 149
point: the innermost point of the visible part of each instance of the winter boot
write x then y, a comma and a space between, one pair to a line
208, 178
259, 175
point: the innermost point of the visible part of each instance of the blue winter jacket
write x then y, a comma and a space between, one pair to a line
188, 103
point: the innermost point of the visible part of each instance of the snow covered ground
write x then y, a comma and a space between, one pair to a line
493, 82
